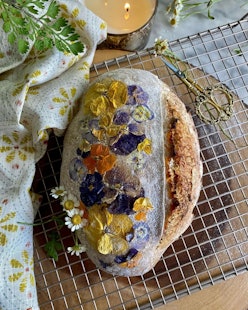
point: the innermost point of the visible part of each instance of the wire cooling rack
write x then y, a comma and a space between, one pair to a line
215, 247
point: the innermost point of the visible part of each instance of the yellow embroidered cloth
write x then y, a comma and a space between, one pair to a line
38, 92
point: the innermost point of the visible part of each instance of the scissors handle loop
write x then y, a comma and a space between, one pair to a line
213, 110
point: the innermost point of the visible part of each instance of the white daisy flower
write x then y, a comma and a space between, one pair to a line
160, 46
76, 249
58, 191
75, 219
69, 203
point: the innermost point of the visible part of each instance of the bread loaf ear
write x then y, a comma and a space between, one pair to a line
183, 170
131, 157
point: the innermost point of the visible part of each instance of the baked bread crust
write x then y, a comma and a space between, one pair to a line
161, 194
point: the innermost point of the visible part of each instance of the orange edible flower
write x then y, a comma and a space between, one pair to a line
99, 159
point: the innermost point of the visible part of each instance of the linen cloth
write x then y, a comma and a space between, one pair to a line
38, 92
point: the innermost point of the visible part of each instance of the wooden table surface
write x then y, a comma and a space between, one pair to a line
231, 294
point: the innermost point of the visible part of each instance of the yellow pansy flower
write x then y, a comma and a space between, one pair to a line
106, 231
104, 98
146, 146
141, 206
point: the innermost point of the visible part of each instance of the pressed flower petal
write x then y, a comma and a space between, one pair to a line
77, 169
122, 204
108, 217
121, 118
98, 133
114, 131
99, 150
106, 119
136, 95
141, 235
106, 164
121, 225
146, 146
120, 245
127, 144
91, 189
123, 258
140, 216
90, 163
96, 223
105, 245
136, 160
117, 94
99, 105
85, 145
122, 181
142, 113
142, 204
106, 231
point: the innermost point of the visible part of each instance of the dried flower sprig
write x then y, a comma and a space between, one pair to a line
161, 47
23, 26
181, 9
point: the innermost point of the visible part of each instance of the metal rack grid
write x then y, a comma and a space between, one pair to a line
215, 246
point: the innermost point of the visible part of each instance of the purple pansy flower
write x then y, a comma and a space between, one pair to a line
91, 189
125, 258
77, 170
127, 144
121, 117
136, 95
122, 204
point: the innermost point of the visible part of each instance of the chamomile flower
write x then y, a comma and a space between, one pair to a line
70, 202
160, 46
175, 8
76, 249
75, 219
58, 191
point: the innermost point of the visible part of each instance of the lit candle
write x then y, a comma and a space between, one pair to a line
122, 16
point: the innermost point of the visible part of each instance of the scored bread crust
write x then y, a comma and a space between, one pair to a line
182, 148
181, 168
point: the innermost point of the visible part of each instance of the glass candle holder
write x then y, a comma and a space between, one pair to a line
129, 22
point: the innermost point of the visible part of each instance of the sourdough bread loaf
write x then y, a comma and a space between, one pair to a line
131, 157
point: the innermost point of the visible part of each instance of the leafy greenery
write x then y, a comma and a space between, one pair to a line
53, 245
23, 25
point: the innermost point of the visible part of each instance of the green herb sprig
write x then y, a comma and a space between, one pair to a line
53, 245
24, 26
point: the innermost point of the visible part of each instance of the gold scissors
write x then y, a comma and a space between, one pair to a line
213, 103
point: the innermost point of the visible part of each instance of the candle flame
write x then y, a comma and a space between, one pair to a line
126, 8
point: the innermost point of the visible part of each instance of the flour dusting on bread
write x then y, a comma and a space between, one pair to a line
131, 156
